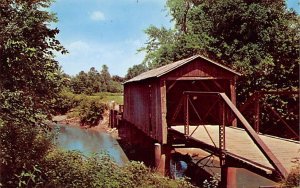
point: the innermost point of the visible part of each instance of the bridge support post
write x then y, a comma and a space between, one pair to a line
228, 177
162, 158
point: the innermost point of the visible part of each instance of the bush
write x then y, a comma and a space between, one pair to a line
22, 149
72, 169
63, 103
91, 112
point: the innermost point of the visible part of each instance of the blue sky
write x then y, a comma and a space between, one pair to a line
97, 32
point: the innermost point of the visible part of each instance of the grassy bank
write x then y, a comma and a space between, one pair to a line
89, 109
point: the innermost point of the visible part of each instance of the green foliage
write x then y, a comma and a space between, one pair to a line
91, 112
213, 182
93, 82
89, 108
135, 70
64, 102
29, 81
72, 169
107, 97
160, 49
22, 148
255, 37
26, 50
258, 38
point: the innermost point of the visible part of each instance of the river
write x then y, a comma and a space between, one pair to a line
89, 141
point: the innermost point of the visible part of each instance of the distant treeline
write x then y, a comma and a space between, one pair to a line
94, 81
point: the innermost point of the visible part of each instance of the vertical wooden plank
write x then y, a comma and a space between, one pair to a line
150, 109
233, 97
163, 106
158, 113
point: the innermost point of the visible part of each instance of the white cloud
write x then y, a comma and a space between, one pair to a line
117, 56
78, 46
97, 16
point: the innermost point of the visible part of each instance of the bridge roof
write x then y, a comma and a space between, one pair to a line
158, 72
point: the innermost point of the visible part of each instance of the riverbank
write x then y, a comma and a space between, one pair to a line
103, 125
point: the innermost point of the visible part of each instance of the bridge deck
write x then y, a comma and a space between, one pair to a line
239, 143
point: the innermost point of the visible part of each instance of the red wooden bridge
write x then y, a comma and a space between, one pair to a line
192, 103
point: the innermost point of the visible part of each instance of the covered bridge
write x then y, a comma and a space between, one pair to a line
152, 99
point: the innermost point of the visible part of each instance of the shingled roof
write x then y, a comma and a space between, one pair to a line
158, 72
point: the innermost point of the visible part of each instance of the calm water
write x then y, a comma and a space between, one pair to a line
89, 141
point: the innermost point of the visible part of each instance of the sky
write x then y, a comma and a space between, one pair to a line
98, 32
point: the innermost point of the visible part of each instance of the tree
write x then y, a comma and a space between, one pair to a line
259, 38
94, 80
105, 79
29, 80
135, 70
79, 82
26, 51
117, 78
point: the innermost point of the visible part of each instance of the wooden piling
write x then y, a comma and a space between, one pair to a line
160, 159
228, 177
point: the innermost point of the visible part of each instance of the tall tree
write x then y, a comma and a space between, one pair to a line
26, 50
105, 78
29, 80
94, 80
257, 37
135, 70
79, 83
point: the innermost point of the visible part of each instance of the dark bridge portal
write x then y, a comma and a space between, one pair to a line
205, 107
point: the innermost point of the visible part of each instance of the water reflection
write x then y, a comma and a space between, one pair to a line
205, 165
89, 141
177, 169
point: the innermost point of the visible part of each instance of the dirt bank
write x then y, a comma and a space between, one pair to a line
103, 125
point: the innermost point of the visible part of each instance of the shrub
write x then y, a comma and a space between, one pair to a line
91, 112
72, 169
63, 103
22, 149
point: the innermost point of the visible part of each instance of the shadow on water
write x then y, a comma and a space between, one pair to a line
88, 142
204, 166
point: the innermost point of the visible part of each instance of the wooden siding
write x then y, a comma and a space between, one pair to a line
142, 107
199, 68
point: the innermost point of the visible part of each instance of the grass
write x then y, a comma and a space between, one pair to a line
80, 102
107, 97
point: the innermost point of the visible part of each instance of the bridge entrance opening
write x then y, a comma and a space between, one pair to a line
204, 106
